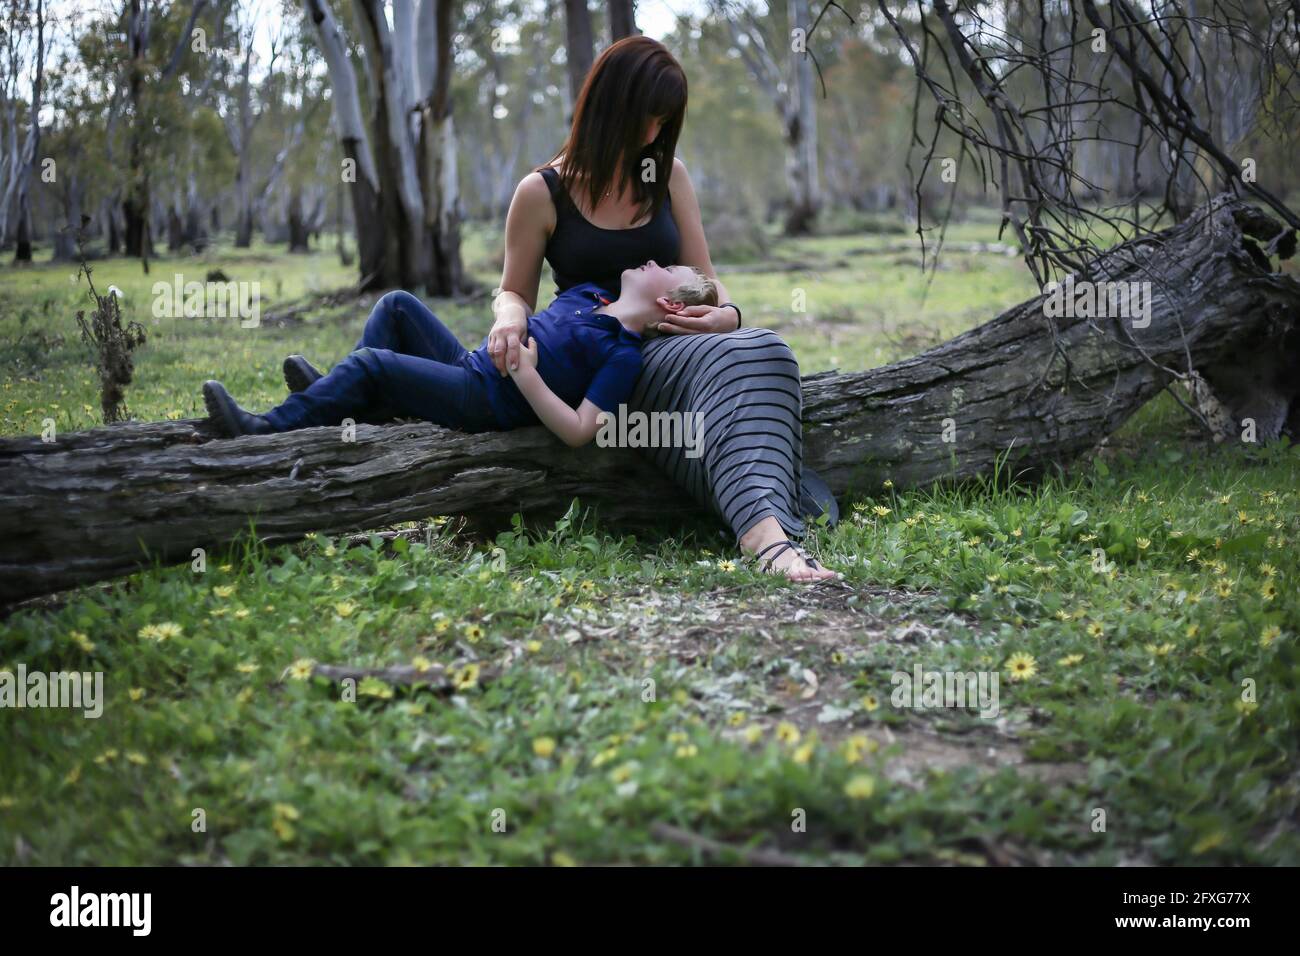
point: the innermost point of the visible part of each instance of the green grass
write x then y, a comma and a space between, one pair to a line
628, 682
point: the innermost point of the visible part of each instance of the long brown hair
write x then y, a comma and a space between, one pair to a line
633, 81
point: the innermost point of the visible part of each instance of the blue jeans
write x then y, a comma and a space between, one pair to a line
407, 365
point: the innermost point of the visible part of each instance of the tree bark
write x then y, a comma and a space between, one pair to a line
1023, 392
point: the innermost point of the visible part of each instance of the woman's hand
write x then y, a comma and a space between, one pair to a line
504, 339
700, 318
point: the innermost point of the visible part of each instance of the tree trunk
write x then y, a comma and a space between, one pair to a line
997, 396
577, 44
297, 227
23, 173
622, 19
439, 182
359, 165
801, 133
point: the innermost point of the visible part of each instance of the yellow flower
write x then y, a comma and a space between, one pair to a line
465, 677
473, 633
149, 633
560, 858
224, 590
686, 751
1069, 660
533, 646
82, 641
753, 733
1143, 543
858, 745
421, 663
1267, 570
1016, 533
604, 757
7, 802
860, 787
285, 811
1095, 629
344, 608
226, 568
787, 733
106, 756
1192, 630
1270, 634
440, 625
1268, 591
622, 774
246, 667
727, 566
73, 775
301, 669
888, 483
870, 703
544, 746
136, 758
1243, 517
1021, 666
837, 657
1159, 650
736, 719
803, 754
880, 511
219, 611
136, 693
283, 829
167, 630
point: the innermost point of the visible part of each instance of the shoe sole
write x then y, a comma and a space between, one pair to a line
218, 412
295, 377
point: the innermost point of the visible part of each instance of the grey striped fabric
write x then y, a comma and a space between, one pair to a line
746, 384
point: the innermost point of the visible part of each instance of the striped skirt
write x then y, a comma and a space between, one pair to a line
746, 386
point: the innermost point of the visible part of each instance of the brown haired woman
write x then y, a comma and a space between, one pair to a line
614, 197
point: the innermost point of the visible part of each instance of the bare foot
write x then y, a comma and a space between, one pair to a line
764, 541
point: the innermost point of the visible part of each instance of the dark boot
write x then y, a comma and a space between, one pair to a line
299, 373
231, 420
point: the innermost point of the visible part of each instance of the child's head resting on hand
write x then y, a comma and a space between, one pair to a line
674, 289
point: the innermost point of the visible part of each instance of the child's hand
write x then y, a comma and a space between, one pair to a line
527, 356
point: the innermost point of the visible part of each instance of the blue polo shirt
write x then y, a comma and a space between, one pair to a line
580, 354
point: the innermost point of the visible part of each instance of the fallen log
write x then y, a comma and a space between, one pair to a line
1023, 388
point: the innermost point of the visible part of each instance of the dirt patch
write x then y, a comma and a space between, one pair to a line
787, 656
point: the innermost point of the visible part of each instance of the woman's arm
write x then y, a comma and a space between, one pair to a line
695, 252
529, 223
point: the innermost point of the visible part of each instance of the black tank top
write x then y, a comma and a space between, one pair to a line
581, 252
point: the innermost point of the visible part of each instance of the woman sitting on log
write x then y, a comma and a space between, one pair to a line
615, 197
